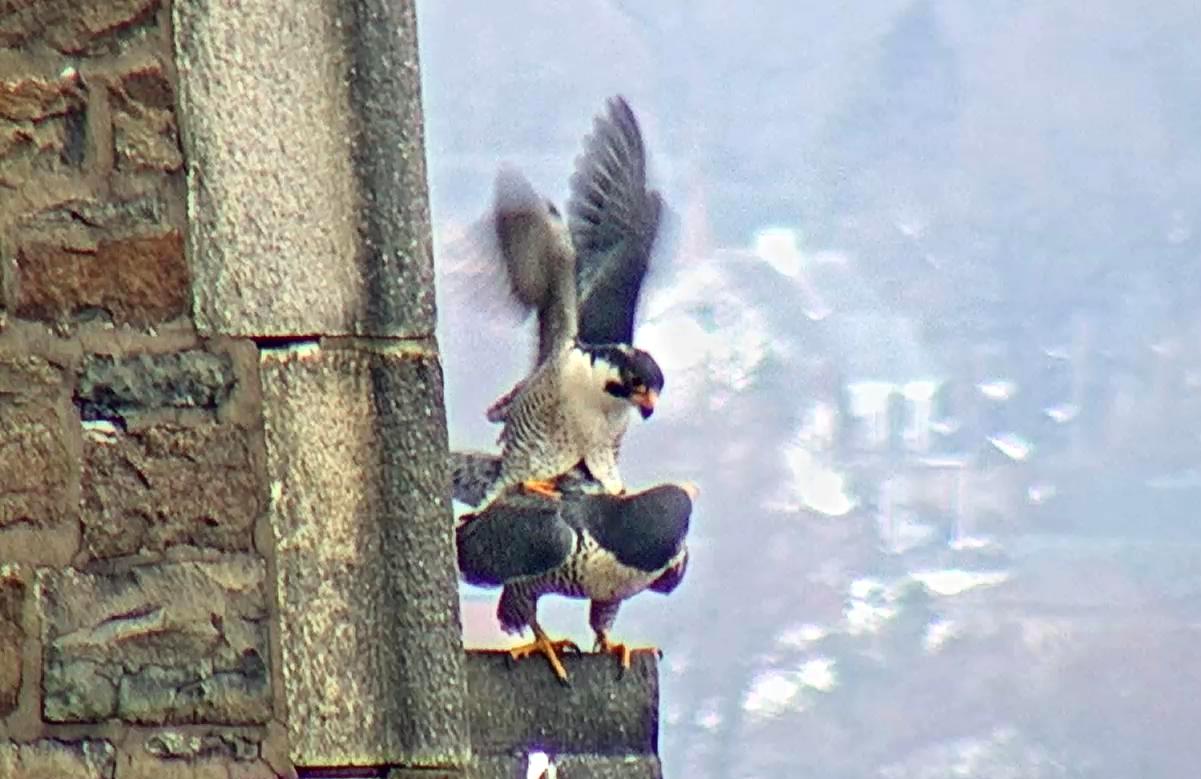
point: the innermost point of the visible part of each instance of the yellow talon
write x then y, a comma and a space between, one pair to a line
624, 652
544, 646
541, 487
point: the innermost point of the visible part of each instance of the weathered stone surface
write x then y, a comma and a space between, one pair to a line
42, 124
145, 132
369, 623
12, 637
145, 766
181, 643
516, 705
165, 486
566, 767
122, 258
30, 98
54, 759
73, 26
136, 280
189, 746
111, 388
35, 461
300, 220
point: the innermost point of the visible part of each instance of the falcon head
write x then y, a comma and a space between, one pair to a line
632, 375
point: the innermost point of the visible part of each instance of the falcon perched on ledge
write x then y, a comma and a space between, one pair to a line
606, 548
584, 280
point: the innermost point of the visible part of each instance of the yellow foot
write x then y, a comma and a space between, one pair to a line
624, 653
541, 487
543, 645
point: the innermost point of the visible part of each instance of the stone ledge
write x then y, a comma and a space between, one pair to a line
517, 707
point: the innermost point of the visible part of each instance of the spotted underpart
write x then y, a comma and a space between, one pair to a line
563, 415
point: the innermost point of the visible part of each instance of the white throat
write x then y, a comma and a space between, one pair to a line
584, 381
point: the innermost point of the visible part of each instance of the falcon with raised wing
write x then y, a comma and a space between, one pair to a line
584, 280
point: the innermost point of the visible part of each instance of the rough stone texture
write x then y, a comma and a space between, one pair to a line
41, 122
123, 259
144, 766
12, 637
566, 767
514, 706
110, 388
369, 623
73, 26
145, 133
138, 280
166, 486
163, 644
304, 217
54, 759
175, 744
35, 459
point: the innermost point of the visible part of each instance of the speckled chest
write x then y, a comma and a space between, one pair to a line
595, 573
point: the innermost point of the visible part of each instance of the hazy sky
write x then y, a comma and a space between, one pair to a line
997, 200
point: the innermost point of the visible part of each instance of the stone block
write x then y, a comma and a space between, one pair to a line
12, 637
75, 26
137, 280
122, 259
301, 221
35, 459
55, 759
115, 389
145, 133
173, 643
42, 122
168, 486
360, 511
516, 707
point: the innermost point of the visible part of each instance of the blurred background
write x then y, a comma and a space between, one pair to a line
929, 309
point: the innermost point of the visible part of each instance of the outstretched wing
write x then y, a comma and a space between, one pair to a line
512, 539
538, 259
613, 221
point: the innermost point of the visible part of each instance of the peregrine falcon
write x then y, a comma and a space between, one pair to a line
606, 548
584, 279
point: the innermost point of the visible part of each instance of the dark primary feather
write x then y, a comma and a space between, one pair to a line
643, 531
527, 538
539, 262
613, 221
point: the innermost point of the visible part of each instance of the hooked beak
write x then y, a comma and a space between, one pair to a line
645, 402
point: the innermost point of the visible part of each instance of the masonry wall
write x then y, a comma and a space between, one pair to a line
225, 531
194, 365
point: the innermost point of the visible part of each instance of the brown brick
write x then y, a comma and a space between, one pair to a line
145, 133
12, 637
32, 98
168, 486
137, 280
35, 462
75, 26
42, 125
